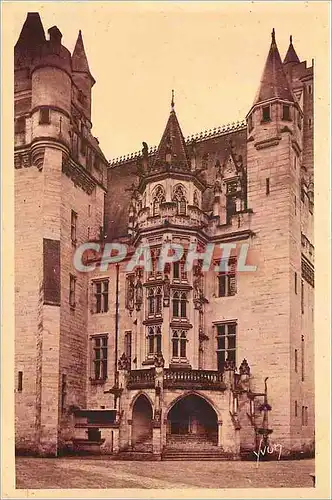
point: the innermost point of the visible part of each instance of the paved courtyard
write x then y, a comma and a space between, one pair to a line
102, 473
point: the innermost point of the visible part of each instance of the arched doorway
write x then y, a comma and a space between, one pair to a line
192, 416
142, 423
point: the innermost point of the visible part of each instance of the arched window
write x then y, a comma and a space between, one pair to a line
196, 200
180, 199
158, 198
179, 344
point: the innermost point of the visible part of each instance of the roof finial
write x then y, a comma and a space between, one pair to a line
273, 34
291, 39
172, 102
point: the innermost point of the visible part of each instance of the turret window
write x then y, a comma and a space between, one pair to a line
196, 200
154, 298
266, 113
250, 124
180, 199
286, 113
44, 116
158, 198
20, 125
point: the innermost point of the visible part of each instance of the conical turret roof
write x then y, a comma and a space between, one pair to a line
32, 32
273, 82
79, 59
172, 148
291, 55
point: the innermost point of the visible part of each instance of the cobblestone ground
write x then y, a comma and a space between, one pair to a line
100, 473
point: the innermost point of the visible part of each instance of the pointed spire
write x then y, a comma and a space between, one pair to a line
273, 82
172, 148
79, 59
291, 56
32, 32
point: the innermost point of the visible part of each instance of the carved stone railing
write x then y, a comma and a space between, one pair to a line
193, 379
141, 379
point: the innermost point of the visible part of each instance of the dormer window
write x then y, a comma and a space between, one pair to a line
44, 116
266, 113
286, 113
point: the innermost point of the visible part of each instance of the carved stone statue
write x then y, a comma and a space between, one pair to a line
159, 361
124, 362
167, 287
130, 293
138, 294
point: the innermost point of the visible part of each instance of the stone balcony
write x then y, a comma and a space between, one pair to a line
168, 215
177, 379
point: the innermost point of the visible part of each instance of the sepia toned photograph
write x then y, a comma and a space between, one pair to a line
164, 244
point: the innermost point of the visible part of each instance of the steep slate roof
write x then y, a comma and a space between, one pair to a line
291, 55
32, 32
273, 83
172, 145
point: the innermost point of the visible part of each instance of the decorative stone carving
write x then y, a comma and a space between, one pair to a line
229, 365
124, 362
130, 293
77, 174
244, 368
167, 289
159, 361
157, 418
138, 292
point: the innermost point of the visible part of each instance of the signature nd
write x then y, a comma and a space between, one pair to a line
271, 448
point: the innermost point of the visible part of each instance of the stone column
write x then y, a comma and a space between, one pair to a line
157, 417
219, 433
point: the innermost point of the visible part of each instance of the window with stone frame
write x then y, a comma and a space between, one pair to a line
154, 273
44, 116
179, 303
180, 199
227, 282
100, 296
20, 124
99, 357
72, 291
226, 343
154, 301
158, 197
153, 340
127, 344
179, 270
73, 227
179, 345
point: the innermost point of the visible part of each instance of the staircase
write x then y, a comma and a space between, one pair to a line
191, 447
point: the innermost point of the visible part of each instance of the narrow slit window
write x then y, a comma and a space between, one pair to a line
20, 381
44, 116
267, 186
286, 113
266, 114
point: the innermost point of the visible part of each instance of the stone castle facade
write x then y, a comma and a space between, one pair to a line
175, 363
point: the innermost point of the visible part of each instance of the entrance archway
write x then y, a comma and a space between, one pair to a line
141, 422
193, 416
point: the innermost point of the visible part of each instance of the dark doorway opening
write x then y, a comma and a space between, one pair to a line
193, 417
142, 423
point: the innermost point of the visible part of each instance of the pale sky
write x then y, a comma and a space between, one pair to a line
211, 53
